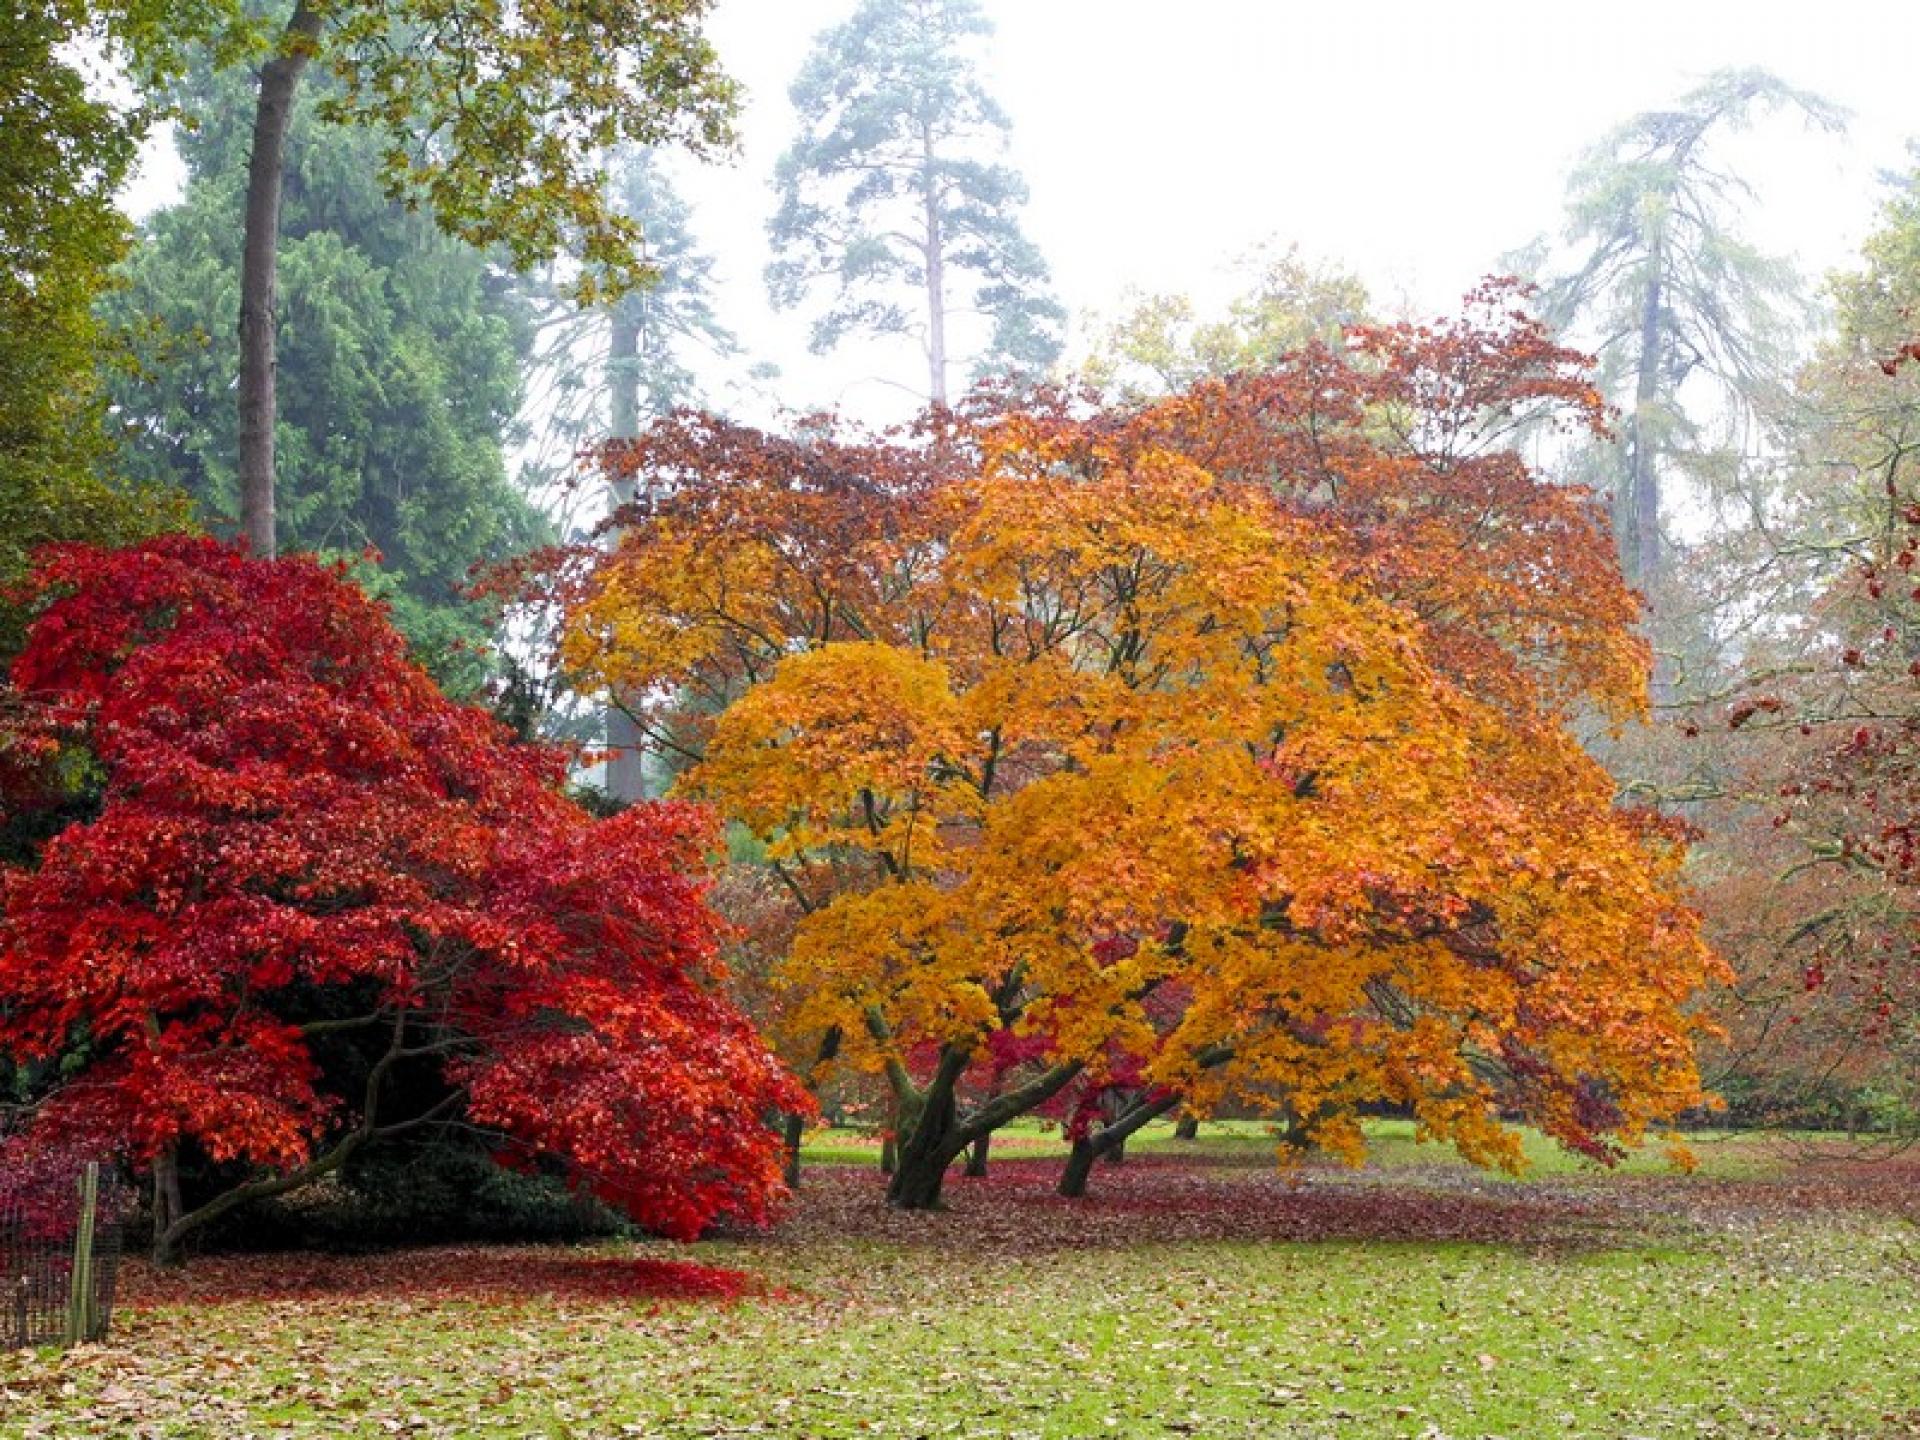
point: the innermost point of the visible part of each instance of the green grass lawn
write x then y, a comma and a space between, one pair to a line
1391, 1147
1191, 1294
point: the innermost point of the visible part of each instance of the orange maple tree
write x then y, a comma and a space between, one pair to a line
1255, 701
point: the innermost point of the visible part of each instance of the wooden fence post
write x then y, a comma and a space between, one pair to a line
82, 1313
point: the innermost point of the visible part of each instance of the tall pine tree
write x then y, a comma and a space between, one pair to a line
1691, 322
894, 198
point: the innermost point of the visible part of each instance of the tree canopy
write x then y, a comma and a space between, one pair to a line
1162, 343
1047, 719
319, 904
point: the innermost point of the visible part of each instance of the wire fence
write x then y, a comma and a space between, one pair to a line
61, 1230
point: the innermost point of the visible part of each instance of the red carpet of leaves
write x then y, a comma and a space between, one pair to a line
1149, 1200
1164, 1199
486, 1273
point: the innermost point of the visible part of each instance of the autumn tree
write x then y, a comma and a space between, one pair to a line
318, 905
1691, 323
892, 198
1222, 745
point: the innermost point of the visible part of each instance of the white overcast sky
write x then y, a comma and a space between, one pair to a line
1413, 143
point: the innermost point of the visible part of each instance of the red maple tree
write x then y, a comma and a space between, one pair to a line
319, 903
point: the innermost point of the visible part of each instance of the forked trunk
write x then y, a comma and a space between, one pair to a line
926, 1149
1108, 1142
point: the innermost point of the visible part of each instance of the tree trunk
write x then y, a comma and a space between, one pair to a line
1118, 1154
1107, 1141
623, 378
1073, 1180
932, 1135
626, 763
977, 1157
1188, 1128
919, 1184
167, 1208
930, 1140
1643, 478
936, 277
259, 275
795, 1128
889, 1154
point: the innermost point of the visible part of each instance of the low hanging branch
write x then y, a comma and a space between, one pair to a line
1148, 1107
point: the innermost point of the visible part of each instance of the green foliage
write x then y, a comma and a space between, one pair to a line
1160, 344
1879, 304
400, 359
890, 196
62, 157
492, 119
1801, 1096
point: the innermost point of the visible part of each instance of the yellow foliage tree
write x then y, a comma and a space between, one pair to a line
1066, 746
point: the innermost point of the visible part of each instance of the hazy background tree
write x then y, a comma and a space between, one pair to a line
1693, 326
894, 200
1162, 343
1804, 880
401, 360
603, 369
601, 373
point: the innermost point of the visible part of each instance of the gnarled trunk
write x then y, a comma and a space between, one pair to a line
977, 1158
1188, 1128
929, 1141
